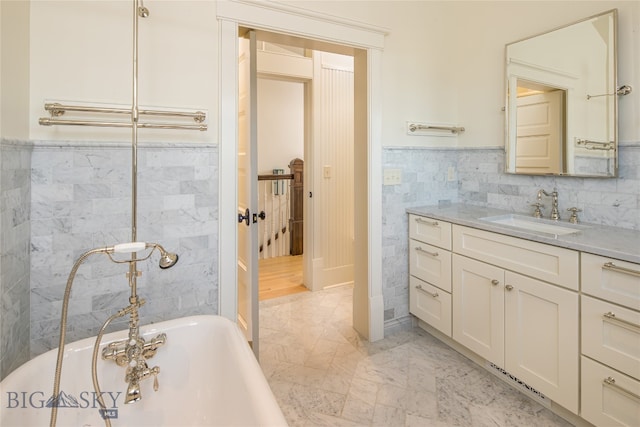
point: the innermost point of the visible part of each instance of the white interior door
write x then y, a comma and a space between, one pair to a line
247, 190
539, 133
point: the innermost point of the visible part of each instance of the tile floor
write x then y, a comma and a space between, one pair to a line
324, 374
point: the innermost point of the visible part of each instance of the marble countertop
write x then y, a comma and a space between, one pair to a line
597, 239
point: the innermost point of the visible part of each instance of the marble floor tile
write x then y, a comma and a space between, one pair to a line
324, 374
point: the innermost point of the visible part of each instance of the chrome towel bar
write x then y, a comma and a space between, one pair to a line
453, 129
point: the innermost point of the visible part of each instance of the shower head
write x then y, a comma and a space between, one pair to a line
167, 259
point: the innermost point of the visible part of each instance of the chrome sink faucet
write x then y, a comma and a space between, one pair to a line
555, 213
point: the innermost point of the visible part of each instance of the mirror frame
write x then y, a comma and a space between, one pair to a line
510, 112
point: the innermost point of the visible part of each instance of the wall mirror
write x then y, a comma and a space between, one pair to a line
562, 97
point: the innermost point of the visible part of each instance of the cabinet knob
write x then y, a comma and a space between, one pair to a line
508, 287
495, 282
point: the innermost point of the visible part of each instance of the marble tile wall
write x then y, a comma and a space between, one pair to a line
613, 202
77, 197
424, 182
15, 195
480, 181
81, 199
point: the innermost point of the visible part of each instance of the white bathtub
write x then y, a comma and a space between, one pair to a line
208, 377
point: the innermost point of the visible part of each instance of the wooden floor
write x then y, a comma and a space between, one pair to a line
280, 276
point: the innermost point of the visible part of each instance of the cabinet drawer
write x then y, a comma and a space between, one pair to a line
609, 398
430, 304
545, 262
611, 279
430, 264
427, 230
611, 334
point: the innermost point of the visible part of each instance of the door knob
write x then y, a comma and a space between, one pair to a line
244, 217
262, 215
508, 287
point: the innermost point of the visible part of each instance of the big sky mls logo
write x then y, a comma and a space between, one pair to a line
85, 400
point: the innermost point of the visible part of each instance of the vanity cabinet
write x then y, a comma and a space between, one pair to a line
610, 373
526, 326
430, 272
563, 321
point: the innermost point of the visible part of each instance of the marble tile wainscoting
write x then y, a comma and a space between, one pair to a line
607, 201
64, 198
15, 203
424, 182
480, 181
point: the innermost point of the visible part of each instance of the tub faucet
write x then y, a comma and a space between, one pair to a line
555, 213
136, 374
133, 353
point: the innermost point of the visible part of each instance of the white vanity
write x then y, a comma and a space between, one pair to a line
559, 312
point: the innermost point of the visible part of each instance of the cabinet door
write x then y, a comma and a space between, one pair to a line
541, 337
478, 308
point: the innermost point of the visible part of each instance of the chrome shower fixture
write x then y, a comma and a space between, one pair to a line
167, 259
135, 348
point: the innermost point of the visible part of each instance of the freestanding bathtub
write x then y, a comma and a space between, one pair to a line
208, 377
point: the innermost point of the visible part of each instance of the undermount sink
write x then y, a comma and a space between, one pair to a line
534, 225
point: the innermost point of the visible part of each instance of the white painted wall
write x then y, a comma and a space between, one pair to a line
443, 60
14, 69
2, 37
334, 132
280, 124
81, 51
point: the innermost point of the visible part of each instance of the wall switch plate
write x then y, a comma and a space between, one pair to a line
392, 177
326, 171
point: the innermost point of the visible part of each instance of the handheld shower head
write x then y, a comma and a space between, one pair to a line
167, 259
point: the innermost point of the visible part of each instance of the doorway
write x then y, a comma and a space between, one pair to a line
368, 303
305, 112
305, 99
283, 77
